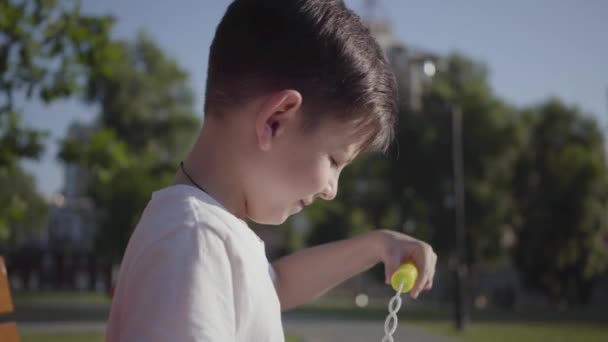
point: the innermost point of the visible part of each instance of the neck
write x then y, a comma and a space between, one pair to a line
210, 165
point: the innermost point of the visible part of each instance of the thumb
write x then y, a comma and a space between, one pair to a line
390, 266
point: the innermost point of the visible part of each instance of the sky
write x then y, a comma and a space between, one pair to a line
534, 49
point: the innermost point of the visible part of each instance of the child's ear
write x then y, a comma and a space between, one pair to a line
275, 114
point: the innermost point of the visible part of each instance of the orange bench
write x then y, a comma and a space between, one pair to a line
8, 330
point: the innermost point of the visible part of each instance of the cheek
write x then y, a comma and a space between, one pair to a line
306, 176
318, 176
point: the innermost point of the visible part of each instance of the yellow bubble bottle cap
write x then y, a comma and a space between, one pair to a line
406, 274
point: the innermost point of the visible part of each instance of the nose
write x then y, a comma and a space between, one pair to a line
330, 191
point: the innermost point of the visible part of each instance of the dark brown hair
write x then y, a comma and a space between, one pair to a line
317, 47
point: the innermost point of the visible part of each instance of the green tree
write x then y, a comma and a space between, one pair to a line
562, 192
421, 172
48, 50
148, 102
145, 127
23, 209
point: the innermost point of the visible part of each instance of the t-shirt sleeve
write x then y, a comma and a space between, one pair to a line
273, 274
180, 289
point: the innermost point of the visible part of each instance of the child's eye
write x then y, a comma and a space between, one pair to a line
333, 162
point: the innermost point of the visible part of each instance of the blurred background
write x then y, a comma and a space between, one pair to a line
500, 162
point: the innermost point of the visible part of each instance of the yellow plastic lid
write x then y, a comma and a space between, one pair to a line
406, 273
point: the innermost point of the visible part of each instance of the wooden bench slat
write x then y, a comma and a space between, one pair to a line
6, 303
9, 332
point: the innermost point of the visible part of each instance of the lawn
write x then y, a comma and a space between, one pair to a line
83, 337
66, 306
522, 332
52, 297
477, 332
62, 337
488, 325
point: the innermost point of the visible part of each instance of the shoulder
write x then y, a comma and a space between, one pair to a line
180, 219
181, 207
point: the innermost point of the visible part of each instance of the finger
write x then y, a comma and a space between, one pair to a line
429, 284
425, 280
417, 289
432, 268
422, 278
390, 267
419, 286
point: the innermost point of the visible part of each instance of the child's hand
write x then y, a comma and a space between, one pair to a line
398, 248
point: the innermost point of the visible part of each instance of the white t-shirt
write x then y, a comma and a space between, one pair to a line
193, 272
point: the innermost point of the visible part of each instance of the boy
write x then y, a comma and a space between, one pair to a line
295, 90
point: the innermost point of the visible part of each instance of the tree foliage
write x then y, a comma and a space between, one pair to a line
145, 126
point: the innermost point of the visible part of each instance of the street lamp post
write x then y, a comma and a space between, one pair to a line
458, 259
460, 266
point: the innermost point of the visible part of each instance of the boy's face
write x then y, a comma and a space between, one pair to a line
298, 168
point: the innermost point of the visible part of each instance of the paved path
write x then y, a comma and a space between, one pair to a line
307, 329
318, 330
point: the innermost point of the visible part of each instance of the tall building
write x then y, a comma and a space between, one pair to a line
71, 222
413, 67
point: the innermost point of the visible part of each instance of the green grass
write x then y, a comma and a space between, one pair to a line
291, 338
60, 306
62, 337
523, 332
477, 332
54, 297
344, 307
84, 337
488, 325
583, 325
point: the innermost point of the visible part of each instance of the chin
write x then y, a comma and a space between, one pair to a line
273, 220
